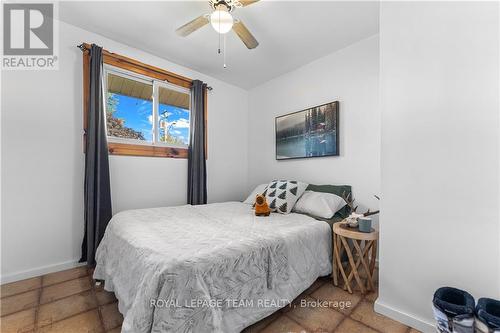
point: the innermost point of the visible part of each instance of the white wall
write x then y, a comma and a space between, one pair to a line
350, 76
42, 159
440, 154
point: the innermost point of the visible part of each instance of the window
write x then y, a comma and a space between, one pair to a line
129, 108
173, 116
147, 108
141, 110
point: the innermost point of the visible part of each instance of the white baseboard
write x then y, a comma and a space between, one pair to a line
17, 276
405, 318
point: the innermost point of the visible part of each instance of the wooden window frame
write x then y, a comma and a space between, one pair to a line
128, 149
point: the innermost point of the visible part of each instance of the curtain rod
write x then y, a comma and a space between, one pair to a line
83, 48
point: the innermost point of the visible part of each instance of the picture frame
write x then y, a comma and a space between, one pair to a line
311, 132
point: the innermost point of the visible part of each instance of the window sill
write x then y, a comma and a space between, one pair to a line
127, 149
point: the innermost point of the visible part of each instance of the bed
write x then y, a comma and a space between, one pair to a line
208, 268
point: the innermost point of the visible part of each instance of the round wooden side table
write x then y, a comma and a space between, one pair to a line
365, 246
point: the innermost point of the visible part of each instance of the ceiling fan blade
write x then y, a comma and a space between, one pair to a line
245, 35
245, 3
192, 26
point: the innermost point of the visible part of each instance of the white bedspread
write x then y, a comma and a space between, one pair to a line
210, 268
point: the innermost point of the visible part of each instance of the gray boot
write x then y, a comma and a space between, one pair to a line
488, 316
454, 310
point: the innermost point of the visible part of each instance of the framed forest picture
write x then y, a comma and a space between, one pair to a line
313, 132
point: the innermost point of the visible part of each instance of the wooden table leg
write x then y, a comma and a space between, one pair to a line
353, 266
339, 260
373, 258
363, 257
358, 262
335, 271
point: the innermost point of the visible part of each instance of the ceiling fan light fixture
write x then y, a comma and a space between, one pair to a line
221, 20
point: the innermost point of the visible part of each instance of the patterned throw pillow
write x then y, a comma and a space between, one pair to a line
281, 195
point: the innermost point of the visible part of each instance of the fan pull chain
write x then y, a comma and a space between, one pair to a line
218, 51
225, 50
219, 35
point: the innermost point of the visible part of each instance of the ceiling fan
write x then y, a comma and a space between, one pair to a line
222, 21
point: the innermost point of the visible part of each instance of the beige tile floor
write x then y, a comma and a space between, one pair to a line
69, 302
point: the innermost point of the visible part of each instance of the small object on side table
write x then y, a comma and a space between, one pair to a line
365, 245
352, 220
365, 224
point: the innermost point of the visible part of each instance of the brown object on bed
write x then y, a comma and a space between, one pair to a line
261, 206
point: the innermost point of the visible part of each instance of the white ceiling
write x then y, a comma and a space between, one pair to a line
290, 33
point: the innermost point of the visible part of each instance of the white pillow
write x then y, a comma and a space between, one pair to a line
258, 190
281, 195
319, 204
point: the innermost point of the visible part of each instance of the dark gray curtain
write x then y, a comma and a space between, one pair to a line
97, 192
197, 170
